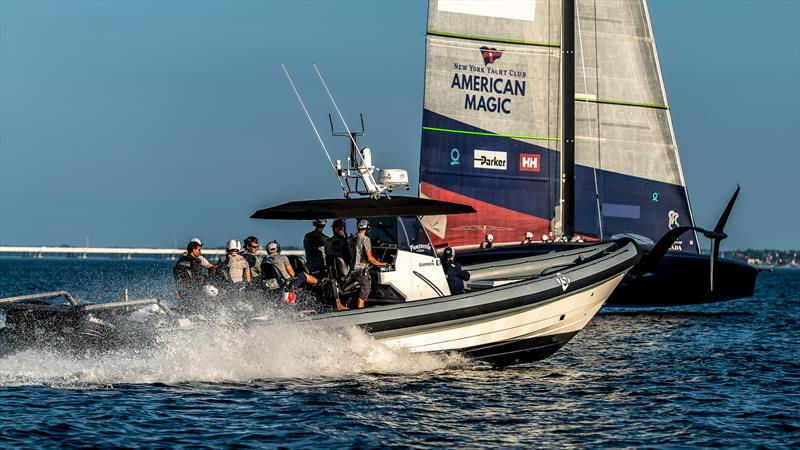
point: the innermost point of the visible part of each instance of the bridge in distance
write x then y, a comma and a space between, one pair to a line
122, 252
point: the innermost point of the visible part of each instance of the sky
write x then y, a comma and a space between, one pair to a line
143, 123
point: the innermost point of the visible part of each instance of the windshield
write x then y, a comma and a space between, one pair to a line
385, 231
418, 241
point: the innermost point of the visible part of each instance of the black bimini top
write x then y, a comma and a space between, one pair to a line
361, 207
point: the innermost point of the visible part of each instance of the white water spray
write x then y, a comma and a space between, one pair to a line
218, 353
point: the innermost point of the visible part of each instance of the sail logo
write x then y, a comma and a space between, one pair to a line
490, 55
673, 217
529, 162
487, 159
455, 157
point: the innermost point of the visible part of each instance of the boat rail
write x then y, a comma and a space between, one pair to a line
16, 303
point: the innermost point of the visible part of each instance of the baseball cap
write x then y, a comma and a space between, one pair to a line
272, 246
449, 252
194, 239
362, 223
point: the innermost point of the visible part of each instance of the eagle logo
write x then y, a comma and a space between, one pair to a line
490, 55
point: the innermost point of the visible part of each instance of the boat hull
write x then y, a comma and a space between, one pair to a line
515, 323
678, 279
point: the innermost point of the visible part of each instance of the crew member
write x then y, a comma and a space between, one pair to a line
235, 268
487, 243
361, 252
528, 238
284, 267
250, 254
337, 245
314, 246
456, 275
188, 273
203, 261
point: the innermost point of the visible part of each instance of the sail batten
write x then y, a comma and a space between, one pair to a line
495, 39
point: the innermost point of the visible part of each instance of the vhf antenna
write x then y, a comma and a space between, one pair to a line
372, 187
345, 191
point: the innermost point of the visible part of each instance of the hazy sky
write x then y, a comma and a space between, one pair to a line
144, 123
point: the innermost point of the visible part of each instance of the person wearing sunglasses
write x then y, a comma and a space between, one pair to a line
250, 254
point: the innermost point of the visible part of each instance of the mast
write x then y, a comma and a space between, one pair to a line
568, 118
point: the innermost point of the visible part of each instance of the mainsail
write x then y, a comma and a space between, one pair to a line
491, 135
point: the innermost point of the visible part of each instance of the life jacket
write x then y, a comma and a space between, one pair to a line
188, 269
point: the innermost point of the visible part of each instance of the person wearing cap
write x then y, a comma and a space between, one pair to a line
456, 275
285, 269
188, 273
250, 254
203, 261
528, 238
235, 269
361, 254
314, 246
337, 246
487, 243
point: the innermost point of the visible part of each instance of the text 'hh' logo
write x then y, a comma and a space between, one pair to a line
529, 162
490, 55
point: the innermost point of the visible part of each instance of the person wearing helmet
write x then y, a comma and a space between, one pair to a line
188, 273
250, 254
487, 243
456, 275
285, 270
314, 246
361, 253
235, 269
528, 238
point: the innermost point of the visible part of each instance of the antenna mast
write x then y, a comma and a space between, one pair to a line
364, 164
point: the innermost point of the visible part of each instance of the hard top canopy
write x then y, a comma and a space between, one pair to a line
361, 207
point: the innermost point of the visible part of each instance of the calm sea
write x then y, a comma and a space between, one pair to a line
711, 375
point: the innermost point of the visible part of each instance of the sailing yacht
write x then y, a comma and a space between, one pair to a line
552, 117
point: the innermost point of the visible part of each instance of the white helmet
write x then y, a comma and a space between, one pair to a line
489, 237
233, 244
529, 235
210, 291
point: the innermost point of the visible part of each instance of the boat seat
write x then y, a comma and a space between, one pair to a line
298, 264
270, 276
339, 269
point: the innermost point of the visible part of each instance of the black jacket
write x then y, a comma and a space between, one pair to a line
456, 276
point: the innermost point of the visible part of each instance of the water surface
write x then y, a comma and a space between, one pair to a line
709, 375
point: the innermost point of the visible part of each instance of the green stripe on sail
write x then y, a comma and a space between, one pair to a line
483, 133
620, 102
493, 39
